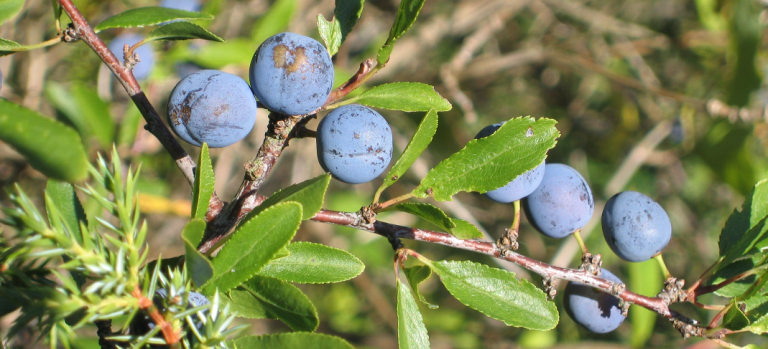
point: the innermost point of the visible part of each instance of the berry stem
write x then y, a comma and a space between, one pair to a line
49, 42
577, 235
663, 265
516, 221
391, 202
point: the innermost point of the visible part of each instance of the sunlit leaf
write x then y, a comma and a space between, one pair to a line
310, 263
148, 16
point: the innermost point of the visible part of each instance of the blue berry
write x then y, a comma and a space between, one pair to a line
635, 226
354, 144
598, 311
186, 5
562, 202
213, 107
146, 54
519, 187
291, 74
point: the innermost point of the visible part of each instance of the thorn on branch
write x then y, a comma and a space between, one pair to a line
550, 286
368, 214
131, 58
624, 305
687, 328
673, 291
617, 288
70, 34
592, 263
507, 242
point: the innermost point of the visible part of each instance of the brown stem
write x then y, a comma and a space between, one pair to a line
125, 76
716, 319
395, 231
256, 171
700, 290
367, 69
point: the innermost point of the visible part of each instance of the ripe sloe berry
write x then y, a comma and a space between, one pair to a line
291, 74
519, 187
598, 311
635, 226
562, 202
213, 107
354, 144
146, 54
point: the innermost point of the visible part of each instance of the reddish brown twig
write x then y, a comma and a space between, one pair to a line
83, 31
171, 337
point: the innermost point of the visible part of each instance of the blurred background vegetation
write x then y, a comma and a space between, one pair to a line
665, 97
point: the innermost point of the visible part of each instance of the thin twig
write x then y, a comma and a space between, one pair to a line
395, 231
84, 32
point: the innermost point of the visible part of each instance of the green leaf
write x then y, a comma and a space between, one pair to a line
737, 267
148, 16
403, 96
310, 263
411, 332
83, 107
9, 9
181, 31
252, 245
275, 21
498, 294
416, 275
284, 302
62, 196
330, 32
754, 209
745, 243
405, 17
49, 146
347, 12
198, 266
645, 279
459, 228
244, 304
757, 312
309, 194
488, 163
204, 184
8, 47
735, 319
421, 139
465, 230
292, 340
426, 211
